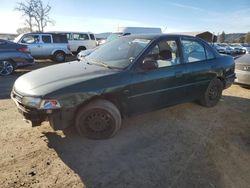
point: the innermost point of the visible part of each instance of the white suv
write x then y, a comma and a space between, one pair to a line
79, 41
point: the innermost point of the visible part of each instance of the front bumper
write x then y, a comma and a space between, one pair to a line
243, 77
59, 119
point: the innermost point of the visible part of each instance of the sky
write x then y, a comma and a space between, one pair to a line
98, 16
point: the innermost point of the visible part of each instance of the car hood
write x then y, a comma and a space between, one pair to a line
46, 80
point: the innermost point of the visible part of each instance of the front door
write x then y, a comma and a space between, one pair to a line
33, 43
162, 86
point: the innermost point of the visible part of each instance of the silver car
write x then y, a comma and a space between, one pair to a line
242, 70
46, 45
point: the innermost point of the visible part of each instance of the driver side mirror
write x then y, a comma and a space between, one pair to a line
149, 64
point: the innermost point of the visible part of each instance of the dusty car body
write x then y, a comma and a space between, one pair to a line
130, 75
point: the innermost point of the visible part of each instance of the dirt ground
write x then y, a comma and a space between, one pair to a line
182, 146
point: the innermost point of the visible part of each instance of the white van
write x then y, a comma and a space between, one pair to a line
79, 41
138, 30
123, 31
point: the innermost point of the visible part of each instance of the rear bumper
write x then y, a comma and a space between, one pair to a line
22, 62
243, 77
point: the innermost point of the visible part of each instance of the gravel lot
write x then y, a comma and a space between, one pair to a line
182, 146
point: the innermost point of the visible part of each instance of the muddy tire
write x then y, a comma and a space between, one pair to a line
99, 119
213, 93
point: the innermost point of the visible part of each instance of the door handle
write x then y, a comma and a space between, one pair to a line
178, 74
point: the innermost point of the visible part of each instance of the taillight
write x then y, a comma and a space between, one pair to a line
24, 49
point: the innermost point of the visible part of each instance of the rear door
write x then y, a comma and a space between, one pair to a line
163, 86
200, 63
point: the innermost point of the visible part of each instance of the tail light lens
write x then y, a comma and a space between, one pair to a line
24, 49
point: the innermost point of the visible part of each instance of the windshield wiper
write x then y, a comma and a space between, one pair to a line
95, 62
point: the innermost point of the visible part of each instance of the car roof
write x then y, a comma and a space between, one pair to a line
157, 36
78, 32
40, 33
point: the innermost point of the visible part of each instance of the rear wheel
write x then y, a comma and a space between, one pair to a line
213, 93
99, 119
59, 56
6, 67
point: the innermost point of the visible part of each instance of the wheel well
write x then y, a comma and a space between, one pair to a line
107, 98
81, 48
58, 51
222, 80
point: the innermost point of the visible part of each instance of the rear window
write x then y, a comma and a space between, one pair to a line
80, 36
209, 53
60, 38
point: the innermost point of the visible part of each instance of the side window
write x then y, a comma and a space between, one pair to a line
68, 36
78, 36
92, 37
46, 38
165, 53
193, 51
209, 54
60, 38
30, 39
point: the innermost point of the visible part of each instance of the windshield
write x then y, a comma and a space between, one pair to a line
114, 36
118, 53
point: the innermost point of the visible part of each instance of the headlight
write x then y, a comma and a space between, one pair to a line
41, 104
31, 101
50, 104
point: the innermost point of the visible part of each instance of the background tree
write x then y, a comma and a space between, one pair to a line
241, 39
27, 13
247, 38
36, 14
222, 37
23, 30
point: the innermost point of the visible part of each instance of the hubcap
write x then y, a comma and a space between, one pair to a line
98, 121
213, 93
6, 68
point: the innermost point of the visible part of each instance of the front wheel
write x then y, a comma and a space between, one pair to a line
99, 119
213, 93
6, 67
